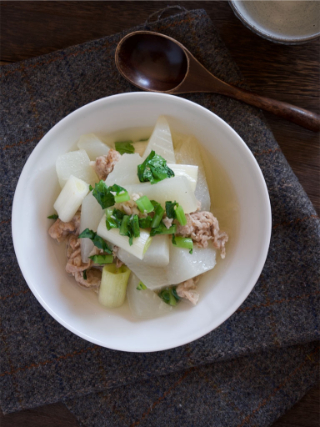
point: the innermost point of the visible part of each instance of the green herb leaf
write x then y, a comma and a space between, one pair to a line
154, 169
141, 287
54, 216
130, 227
124, 147
102, 259
90, 187
103, 195
171, 209
169, 296
145, 222
162, 229
97, 240
84, 274
113, 218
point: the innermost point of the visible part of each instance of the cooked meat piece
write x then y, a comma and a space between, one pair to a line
74, 262
105, 164
187, 290
167, 221
93, 278
201, 227
60, 230
115, 256
130, 207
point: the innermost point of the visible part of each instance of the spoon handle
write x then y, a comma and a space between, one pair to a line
294, 114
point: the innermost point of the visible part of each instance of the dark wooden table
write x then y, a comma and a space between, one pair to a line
287, 73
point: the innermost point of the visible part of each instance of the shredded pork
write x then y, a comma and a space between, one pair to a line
92, 281
202, 227
74, 260
105, 164
61, 230
187, 290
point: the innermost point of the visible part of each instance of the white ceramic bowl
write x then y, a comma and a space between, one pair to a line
222, 290
280, 21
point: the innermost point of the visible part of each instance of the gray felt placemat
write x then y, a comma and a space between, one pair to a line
43, 363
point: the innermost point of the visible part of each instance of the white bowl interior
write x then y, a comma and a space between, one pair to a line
223, 289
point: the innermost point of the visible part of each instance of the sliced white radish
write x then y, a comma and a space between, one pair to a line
182, 266
176, 189
91, 214
76, 163
93, 146
189, 171
125, 170
157, 254
161, 141
145, 303
189, 153
137, 249
70, 198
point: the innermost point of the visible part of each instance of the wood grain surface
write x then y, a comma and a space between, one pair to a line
287, 73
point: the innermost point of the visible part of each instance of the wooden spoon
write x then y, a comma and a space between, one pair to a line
158, 63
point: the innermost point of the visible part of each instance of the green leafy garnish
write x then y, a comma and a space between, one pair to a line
54, 216
84, 274
141, 286
145, 222
162, 229
104, 195
130, 227
169, 295
97, 240
183, 242
124, 147
113, 218
175, 211
102, 259
154, 169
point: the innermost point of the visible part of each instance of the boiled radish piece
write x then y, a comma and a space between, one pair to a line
137, 249
70, 198
188, 152
182, 266
145, 303
161, 141
125, 170
91, 214
140, 147
93, 146
176, 189
157, 254
188, 171
76, 163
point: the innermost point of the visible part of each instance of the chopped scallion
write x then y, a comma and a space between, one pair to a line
97, 240
141, 286
169, 296
180, 215
144, 205
158, 215
54, 216
183, 242
122, 197
162, 229
124, 147
102, 259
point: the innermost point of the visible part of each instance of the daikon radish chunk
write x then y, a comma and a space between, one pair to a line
113, 288
140, 147
76, 163
189, 153
137, 249
161, 141
91, 214
189, 171
157, 254
145, 303
93, 146
176, 189
125, 170
182, 266
70, 198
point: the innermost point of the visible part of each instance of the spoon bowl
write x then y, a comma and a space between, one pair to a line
158, 63
153, 63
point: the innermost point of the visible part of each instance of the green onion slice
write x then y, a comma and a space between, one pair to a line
144, 205
102, 259
162, 229
141, 286
183, 242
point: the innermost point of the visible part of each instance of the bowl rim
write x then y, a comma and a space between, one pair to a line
265, 35
232, 308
